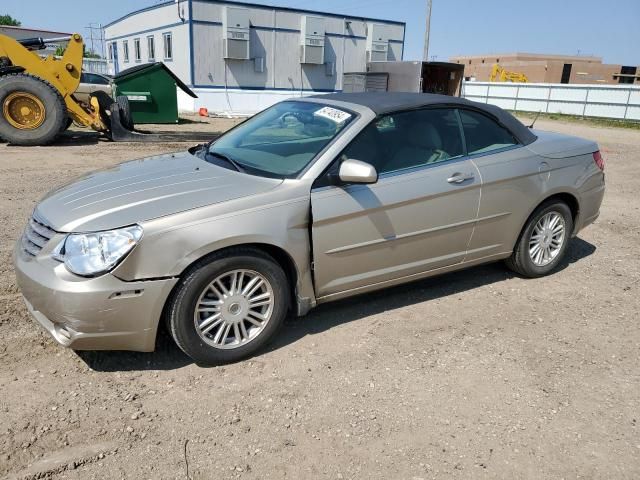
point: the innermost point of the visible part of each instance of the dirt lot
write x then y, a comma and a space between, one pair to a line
477, 374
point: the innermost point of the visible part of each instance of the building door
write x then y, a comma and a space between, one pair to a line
566, 73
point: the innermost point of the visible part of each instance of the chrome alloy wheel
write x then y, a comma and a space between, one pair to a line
547, 239
234, 309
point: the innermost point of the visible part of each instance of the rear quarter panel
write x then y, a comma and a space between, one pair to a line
517, 181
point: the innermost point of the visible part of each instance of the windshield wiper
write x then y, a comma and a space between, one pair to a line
227, 159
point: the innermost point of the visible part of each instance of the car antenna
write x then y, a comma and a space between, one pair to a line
536, 118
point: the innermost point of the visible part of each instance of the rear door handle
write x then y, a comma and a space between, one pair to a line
460, 177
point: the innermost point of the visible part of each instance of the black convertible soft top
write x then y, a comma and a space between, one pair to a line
387, 102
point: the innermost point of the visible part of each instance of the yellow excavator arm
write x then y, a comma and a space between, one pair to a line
499, 74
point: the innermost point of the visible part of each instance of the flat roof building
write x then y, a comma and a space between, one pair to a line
242, 57
542, 68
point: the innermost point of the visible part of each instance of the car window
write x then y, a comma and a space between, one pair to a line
282, 140
483, 134
408, 139
98, 80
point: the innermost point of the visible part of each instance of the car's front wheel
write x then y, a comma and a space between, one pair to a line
228, 306
543, 241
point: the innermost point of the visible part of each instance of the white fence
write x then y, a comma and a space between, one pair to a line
609, 101
95, 65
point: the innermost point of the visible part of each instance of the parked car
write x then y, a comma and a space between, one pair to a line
310, 201
93, 82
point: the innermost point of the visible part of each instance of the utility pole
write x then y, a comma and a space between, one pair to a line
425, 54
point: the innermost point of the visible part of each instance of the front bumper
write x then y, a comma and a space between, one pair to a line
103, 313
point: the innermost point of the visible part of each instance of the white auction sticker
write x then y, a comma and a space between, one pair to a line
333, 114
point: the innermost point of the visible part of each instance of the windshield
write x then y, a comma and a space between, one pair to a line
282, 140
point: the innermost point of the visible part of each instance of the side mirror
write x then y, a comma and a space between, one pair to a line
356, 171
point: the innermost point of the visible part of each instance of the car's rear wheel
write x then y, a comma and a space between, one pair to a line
544, 240
228, 306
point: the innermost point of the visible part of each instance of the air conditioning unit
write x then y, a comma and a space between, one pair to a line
235, 33
312, 40
377, 43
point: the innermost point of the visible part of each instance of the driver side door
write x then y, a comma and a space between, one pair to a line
417, 217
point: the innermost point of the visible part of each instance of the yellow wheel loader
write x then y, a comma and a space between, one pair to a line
36, 95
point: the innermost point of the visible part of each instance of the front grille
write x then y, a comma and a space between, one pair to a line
36, 236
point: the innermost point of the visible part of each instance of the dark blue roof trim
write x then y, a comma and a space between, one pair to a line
267, 7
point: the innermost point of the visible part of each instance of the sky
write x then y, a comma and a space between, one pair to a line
607, 29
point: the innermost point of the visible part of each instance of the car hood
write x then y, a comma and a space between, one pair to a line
144, 189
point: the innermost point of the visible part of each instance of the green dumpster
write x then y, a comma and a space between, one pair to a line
152, 92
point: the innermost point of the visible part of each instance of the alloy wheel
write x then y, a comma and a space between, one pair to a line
234, 309
547, 239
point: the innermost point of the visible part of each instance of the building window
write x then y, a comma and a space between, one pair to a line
629, 74
125, 50
136, 49
168, 46
110, 52
151, 48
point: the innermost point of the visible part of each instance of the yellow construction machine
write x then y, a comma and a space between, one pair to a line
499, 74
36, 94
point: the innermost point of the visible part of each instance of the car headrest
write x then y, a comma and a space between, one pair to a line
425, 135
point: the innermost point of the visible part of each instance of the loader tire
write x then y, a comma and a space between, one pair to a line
32, 111
125, 112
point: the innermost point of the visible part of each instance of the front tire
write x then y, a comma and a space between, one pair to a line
544, 240
32, 111
126, 117
228, 306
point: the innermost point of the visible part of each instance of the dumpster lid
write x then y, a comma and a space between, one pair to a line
153, 66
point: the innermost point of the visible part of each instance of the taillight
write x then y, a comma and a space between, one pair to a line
597, 157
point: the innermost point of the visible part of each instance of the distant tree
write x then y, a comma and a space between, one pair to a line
90, 53
86, 53
9, 20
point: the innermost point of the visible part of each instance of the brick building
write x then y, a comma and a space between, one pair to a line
540, 68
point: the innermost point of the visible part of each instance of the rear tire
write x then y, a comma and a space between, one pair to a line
543, 241
125, 112
67, 124
32, 111
104, 102
209, 295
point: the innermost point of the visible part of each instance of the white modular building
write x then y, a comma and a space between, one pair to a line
240, 58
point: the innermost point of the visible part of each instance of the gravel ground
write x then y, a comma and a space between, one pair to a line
476, 374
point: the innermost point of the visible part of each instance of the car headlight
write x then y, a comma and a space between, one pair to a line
90, 254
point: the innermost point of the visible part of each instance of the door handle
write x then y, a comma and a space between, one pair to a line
459, 177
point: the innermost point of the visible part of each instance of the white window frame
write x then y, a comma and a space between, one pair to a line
167, 36
137, 50
151, 48
125, 51
110, 52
